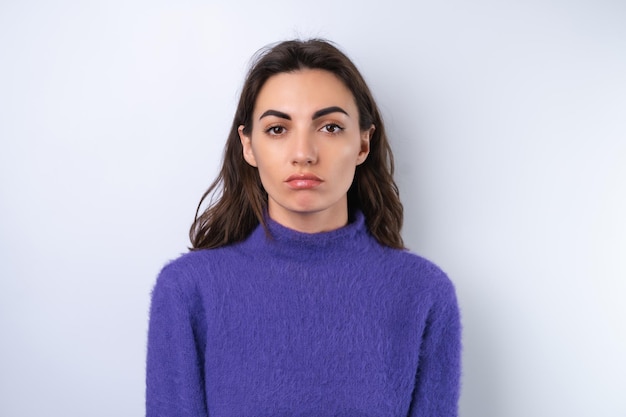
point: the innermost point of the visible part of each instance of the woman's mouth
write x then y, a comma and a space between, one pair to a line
303, 181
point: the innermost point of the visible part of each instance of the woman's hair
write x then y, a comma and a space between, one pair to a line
237, 200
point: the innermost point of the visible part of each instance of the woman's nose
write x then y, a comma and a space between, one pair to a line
304, 150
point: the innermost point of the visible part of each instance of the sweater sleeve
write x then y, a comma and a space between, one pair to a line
174, 369
437, 383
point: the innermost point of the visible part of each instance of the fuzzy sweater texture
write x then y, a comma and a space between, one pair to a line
296, 324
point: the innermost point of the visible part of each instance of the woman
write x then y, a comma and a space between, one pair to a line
298, 298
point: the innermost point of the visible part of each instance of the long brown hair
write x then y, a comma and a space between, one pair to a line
237, 200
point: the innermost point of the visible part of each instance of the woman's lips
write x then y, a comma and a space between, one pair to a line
303, 181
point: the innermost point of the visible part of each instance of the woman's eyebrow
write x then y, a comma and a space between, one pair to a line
275, 113
328, 110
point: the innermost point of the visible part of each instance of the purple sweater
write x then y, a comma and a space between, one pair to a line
296, 324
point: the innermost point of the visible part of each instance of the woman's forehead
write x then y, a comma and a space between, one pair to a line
304, 92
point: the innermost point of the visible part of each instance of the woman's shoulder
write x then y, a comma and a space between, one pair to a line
186, 271
417, 270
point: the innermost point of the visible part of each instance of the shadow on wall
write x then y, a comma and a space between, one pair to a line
482, 391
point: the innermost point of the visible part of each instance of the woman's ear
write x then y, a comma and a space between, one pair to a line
248, 155
366, 135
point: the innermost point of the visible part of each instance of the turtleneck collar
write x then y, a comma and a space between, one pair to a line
283, 241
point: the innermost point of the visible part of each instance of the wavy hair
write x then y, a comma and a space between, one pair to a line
236, 198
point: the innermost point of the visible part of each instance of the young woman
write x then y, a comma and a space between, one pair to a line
298, 298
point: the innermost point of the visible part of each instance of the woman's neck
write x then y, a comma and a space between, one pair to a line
309, 222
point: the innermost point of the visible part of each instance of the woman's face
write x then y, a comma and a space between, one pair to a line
306, 143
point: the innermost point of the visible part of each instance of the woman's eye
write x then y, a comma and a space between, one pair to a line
332, 128
275, 130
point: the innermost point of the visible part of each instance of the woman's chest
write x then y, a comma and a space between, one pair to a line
322, 345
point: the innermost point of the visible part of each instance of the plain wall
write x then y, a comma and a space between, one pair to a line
508, 121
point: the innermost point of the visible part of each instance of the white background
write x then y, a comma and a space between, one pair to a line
508, 121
